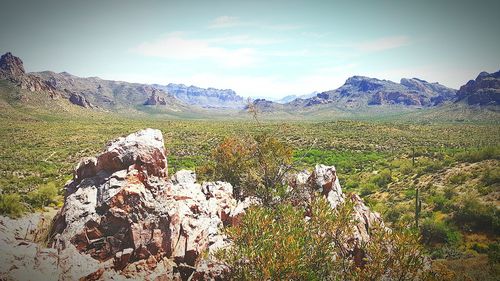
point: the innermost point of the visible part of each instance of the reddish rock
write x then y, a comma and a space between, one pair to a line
120, 207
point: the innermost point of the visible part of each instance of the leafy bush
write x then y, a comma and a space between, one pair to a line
440, 202
491, 176
367, 189
43, 196
11, 205
484, 153
254, 166
458, 178
472, 215
382, 179
428, 165
446, 252
404, 166
494, 253
438, 232
279, 244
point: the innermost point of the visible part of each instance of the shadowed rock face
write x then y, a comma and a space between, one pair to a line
155, 99
12, 69
11, 65
208, 98
485, 90
80, 100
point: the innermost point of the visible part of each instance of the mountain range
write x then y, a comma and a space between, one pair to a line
206, 98
358, 94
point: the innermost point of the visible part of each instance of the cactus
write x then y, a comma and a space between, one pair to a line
418, 206
413, 157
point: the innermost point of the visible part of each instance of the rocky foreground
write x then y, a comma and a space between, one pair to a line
124, 218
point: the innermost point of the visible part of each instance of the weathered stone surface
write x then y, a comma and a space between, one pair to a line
12, 69
144, 148
155, 99
324, 179
121, 208
22, 259
80, 100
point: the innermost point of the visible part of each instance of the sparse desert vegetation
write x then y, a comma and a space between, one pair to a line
384, 162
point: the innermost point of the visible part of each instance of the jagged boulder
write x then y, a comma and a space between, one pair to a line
324, 179
122, 207
80, 100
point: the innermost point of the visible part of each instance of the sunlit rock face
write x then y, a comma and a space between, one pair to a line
324, 180
122, 207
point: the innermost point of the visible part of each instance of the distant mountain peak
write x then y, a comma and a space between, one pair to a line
11, 65
204, 97
485, 90
12, 69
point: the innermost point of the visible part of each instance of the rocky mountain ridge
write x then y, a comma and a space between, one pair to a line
206, 98
361, 91
484, 90
12, 69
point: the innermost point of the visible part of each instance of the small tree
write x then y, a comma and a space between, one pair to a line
254, 166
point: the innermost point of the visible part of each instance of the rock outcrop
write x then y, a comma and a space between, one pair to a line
324, 179
12, 69
80, 100
155, 99
122, 207
485, 90
206, 98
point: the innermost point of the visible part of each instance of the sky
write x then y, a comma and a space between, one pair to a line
257, 48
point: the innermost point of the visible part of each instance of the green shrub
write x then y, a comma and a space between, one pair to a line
11, 205
367, 189
382, 179
446, 252
480, 248
440, 203
254, 166
428, 165
472, 215
43, 196
458, 178
491, 176
434, 232
279, 244
493, 253
477, 155
404, 166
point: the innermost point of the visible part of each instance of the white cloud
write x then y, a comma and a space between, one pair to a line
176, 46
245, 40
355, 49
224, 21
230, 21
382, 44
